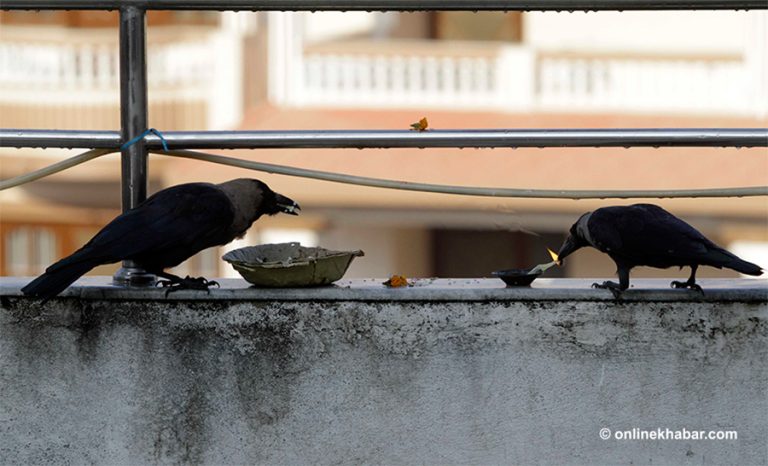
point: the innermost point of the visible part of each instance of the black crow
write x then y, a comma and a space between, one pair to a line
168, 228
646, 234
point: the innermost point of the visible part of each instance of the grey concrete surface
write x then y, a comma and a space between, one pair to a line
422, 289
250, 378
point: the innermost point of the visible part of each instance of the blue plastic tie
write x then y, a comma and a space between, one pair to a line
142, 135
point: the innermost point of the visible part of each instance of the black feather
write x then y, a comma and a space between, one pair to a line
647, 235
51, 283
165, 230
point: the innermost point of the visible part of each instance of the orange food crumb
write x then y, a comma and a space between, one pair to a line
396, 281
420, 125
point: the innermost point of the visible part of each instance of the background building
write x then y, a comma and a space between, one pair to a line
384, 71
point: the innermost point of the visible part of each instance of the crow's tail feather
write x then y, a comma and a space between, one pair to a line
745, 267
54, 281
723, 258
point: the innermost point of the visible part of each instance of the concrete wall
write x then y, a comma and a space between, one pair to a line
498, 377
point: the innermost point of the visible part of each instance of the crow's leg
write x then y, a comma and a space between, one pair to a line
691, 283
174, 283
613, 287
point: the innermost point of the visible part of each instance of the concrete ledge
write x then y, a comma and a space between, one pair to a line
368, 375
481, 289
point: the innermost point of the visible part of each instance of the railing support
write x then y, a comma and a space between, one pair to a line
133, 122
384, 139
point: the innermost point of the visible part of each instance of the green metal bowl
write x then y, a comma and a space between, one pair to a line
288, 265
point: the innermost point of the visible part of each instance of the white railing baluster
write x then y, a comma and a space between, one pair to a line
86, 69
507, 78
103, 66
448, 81
68, 62
399, 76
414, 79
381, 79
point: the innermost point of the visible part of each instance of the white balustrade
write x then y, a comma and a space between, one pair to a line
506, 78
644, 85
89, 65
513, 80
396, 81
84, 72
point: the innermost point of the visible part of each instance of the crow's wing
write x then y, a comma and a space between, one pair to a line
647, 234
189, 217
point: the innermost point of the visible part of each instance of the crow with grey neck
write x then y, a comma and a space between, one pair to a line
167, 229
646, 234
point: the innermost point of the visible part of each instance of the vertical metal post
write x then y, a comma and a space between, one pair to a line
133, 122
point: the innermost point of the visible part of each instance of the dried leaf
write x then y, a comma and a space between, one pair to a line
420, 125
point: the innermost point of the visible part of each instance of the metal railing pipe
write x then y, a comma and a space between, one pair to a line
639, 137
387, 5
53, 138
466, 138
133, 104
133, 122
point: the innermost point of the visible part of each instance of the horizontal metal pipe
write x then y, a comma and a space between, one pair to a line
645, 137
384, 5
59, 138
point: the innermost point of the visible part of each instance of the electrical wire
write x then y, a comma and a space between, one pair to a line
395, 184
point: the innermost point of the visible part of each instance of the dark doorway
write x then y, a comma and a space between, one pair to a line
477, 253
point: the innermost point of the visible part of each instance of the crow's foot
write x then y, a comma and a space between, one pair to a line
187, 283
689, 284
613, 287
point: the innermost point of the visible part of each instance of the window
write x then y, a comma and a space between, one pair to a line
29, 250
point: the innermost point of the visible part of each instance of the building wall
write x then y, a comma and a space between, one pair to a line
392, 248
388, 250
659, 32
102, 19
186, 114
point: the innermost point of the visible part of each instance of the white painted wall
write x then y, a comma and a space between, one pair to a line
704, 32
326, 25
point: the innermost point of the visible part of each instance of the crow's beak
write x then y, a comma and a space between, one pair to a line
287, 205
569, 246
